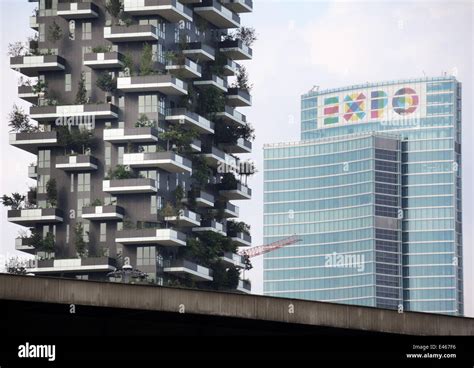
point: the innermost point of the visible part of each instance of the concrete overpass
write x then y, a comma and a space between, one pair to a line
40, 302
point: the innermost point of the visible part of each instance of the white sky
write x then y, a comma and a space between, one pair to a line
302, 44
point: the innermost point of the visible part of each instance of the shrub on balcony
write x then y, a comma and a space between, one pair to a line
106, 82
114, 8
19, 121
144, 122
210, 101
55, 33
121, 172
40, 87
47, 244
180, 137
146, 61
81, 96
238, 227
201, 171
52, 192
242, 79
247, 35
230, 134
15, 201
95, 203
102, 49
17, 48
79, 242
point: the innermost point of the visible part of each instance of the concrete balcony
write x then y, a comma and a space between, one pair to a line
163, 83
239, 6
185, 68
24, 245
103, 213
171, 10
33, 172
103, 60
78, 10
244, 286
233, 259
235, 192
232, 116
230, 68
196, 146
79, 163
199, 51
229, 210
236, 97
34, 22
201, 198
187, 269
236, 50
133, 33
96, 111
215, 158
167, 161
31, 66
30, 142
129, 186
164, 237
26, 93
185, 218
74, 265
212, 81
212, 226
241, 146
240, 239
183, 116
217, 14
32, 216
133, 135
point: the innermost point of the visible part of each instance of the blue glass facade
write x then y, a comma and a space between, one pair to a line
374, 192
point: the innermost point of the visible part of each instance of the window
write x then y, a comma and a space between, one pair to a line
88, 78
67, 233
72, 183
86, 31
42, 32
44, 158
121, 152
83, 182
81, 202
146, 256
103, 232
108, 156
148, 105
67, 82
86, 232
43, 179
153, 205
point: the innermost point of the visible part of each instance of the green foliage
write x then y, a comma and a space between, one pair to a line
114, 8
55, 33
180, 136
225, 278
128, 63
228, 181
231, 134
238, 227
201, 171
79, 242
19, 121
121, 172
242, 81
52, 192
15, 201
95, 203
40, 86
144, 122
81, 96
77, 139
106, 82
248, 35
210, 101
146, 61
17, 48
102, 49
207, 248
48, 243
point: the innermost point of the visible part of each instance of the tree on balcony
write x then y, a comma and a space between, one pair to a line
128, 64
179, 137
114, 8
102, 49
81, 96
107, 83
55, 33
247, 35
15, 201
210, 101
40, 87
234, 227
120, 172
201, 171
242, 79
225, 277
146, 61
52, 192
48, 243
17, 48
19, 121
79, 242
144, 122
231, 134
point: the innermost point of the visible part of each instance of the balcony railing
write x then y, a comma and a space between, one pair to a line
77, 163
229, 210
97, 111
199, 51
172, 10
232, 116
240, 239
212, 81
185, 218
233, 259
75, 265
187, 68
137, 32
168, 161
163, 83
184, 268
230, 68
217, 14
244, 286
103, 213
165, 237
236, 49
31, 141
33, 172
129, 186
145, 135
183, 116
26, 93
241, 146
235, 192
238, 97
215, 157
32, 216
212, 226
239, 6
196, 146
201, 198
78, 10
24, 245
104, 60
31, 66
34, 22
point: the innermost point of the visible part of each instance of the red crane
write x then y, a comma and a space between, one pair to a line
262, 249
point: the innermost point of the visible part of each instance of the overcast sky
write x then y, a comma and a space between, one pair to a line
302, 44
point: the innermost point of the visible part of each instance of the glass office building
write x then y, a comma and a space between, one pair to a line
373, 191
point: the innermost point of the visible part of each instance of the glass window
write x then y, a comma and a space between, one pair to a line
103, 232
67, 82
84, 182
44, 158
86, 31
146, 256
